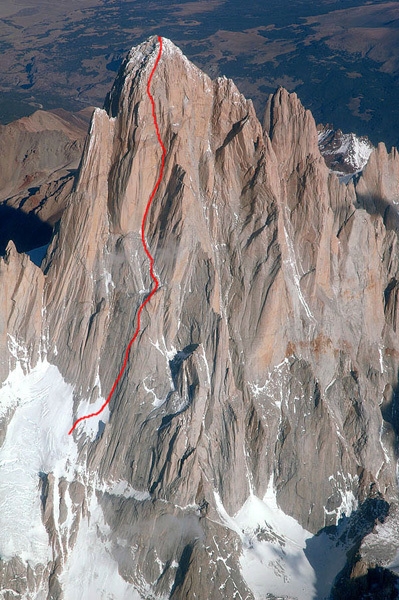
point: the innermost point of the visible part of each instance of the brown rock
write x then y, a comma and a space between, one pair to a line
261, 356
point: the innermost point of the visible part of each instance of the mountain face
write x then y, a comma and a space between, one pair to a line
39, 156
250, 448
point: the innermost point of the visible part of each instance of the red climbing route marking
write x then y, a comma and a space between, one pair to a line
146, 250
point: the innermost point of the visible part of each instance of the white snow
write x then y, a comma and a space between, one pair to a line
208, 372
273, 562
108, 281
279, 556
90, 426
157, 402
91, 572
18, 352
355, 150
288, 569
384, 449
38, 405
333, 380
168, 354
349, 503
380, 352
275, 375
123, 488
323, 136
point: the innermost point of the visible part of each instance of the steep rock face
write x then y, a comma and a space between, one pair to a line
267, 361
378, 186
21, 295
333, 253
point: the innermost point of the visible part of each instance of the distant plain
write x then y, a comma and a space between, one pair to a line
340, 57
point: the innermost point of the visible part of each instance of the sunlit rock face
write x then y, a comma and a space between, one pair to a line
259, 402
39, 157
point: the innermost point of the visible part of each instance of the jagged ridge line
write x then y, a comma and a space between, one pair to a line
146, 249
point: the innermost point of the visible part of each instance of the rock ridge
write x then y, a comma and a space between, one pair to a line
266, 369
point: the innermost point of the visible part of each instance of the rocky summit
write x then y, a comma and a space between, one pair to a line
250, 448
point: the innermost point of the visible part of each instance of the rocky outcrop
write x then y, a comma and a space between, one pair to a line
21, 294
267, 360
39, 156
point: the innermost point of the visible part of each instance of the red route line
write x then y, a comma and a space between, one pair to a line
146, 250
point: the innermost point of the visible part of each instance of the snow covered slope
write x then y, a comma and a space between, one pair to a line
36, 412
279, 557
40, 403
344, 153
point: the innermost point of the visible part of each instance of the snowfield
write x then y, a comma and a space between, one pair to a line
37, 405
38, 409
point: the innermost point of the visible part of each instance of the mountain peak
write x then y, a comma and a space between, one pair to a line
173, 68
260, 397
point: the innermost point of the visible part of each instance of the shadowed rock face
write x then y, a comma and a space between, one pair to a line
269, 353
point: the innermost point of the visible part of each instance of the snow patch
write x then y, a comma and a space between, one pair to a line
91, 427
19, 352
275, 375
168, 354
109, 284
279, 557
333, 380
101, 581
384, 449
351, 151
157, 402
380, 352
273, 559
349, 502
38, 405
123, 488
